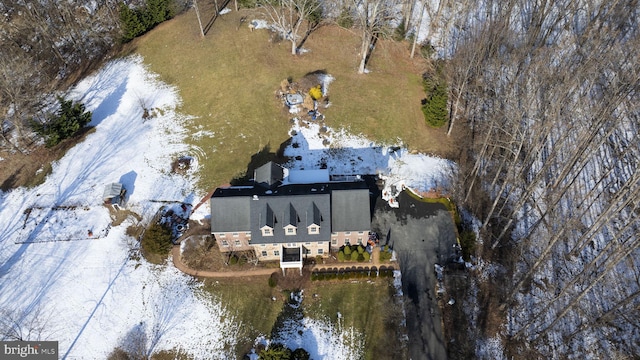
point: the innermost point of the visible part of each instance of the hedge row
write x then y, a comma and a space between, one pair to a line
345, 274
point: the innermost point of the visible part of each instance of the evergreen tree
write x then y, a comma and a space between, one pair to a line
435, 105
70, 118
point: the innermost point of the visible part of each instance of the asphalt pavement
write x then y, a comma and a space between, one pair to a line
422, 234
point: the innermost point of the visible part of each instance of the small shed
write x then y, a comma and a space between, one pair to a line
112, 191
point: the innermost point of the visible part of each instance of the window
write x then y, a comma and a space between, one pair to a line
291, 245
264, 253
276, 252
313, 229
307, 243
334, 234
267, 232
360, 232
225, 243
237, 242
359, 241
347, 233
235, 234
307, 251
320, 251
291, 231
221, 235
334, 241
263, 245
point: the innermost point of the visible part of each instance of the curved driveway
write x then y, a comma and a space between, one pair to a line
422, 234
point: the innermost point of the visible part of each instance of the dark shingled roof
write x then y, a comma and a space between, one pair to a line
350, 210
230, 214
268, 174
283, 206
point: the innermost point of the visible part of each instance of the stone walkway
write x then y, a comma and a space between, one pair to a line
177, 261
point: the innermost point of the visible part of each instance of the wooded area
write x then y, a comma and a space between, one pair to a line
550, 92
547, 91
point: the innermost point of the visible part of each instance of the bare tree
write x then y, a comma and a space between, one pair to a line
18, 325
373, 18
289, 16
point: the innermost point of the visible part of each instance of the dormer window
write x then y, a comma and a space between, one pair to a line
290, 230
267, 231
314, 229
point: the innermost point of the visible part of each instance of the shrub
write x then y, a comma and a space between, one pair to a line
385, 253
434, 106
137, 21
247, 4
273, 281
360, 257
300, 354
366, 256
157, 240
426, 49
360, 249
347, 250
354, 256
233, 260
345, 19
276, 352
68, 120
340, 255
468, 244
400, 32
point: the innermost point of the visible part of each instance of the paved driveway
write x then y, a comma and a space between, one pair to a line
422, 234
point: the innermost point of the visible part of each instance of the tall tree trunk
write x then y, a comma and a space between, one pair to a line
365, 48
195, 6
416, 34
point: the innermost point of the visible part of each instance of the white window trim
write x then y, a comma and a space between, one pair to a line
320, 251
290, 230
235, 234
225, 243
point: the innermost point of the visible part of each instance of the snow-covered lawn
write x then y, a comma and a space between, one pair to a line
94, 293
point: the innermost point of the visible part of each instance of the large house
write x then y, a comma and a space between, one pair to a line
289, 221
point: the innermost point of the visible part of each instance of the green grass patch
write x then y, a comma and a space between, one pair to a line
249, 301
365, 305
228, 80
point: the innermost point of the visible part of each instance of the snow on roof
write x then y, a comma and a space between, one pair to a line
307, 177
111, 190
